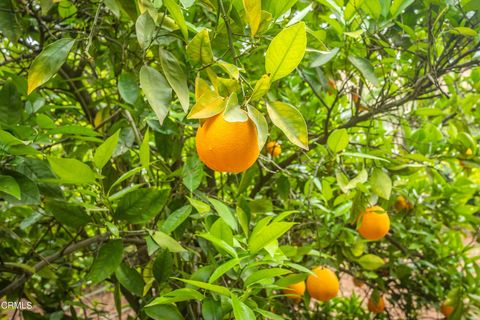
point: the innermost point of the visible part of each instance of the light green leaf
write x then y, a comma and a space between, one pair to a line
176, 218
286, 51
128, 88
177, 14
232, 70
8, 21
253, 11
145, 28
398, 6
354, 34
265, 235
370, 262
207, 286
219, 243
176, 77
381, 183
71, 170
163, 312
241, 311
199, 49
223, 268
130, 279
224, 212
263, 274
260, 123
179, 295
192, 173
200, 206
105, 150
9, 185
261, 88
366, 68
269, 315
290, 121
233, 112
464, 31
324, 58
167, 242
142, 205
338, 140
48, 62
277, 8
156, 90
145, 151
107, 261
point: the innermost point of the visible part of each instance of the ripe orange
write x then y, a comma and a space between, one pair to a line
446, 309
298, 289
274, 149
324, 285
376, 306
374, 223
227, 146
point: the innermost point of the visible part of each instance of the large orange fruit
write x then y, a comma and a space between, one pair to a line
374, 223
376, 306
324, 285
297, 289
446, 309
227, 146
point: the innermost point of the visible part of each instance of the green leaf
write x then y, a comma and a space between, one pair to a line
464, 31
163, 312
130, 279
233, 112
8, 21
338, 140
263, 274
366, 68
107, 261
277, 8
29, 193
200, 206
199, 49
398, 6
324, 58
105, 150
48, 62
128, 88
176, 77
223, 268
156, 90
9, 185
381, 184
286, 51
232, 70
71, 170
219, 243
224, 212
261, 88
212, 309
145, 151
253, 11
67, 213
288, 119
145, 28
163, 266
177, 15
142, 205
269, 315
207, 286
370, 262
176, 218
179, 295
167, 242
241, 311
260, 123
265, 235
192, 173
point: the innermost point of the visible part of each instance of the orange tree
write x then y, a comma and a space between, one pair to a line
369, 113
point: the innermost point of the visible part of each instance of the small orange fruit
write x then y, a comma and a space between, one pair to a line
297, 289
274, 149
324, 285
402, 203
376, 306
358, 283
227, 146
446, 309
374, 223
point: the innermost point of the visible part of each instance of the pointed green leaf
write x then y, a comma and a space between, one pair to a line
288, 119
176, 218
145, 151
67, 213
241, 311
260, 123
142, 205
128, 88
177, 15
381, 184
366, 68
233, 112
338, 140
261, 88
107, 261
207, 286
176, 77
199, 49
253, 11
370, 262
145, 28
130, 279
224, 212
9, 185
167, 242
156, 90
105, 150
71, 170
265, 235
223, 268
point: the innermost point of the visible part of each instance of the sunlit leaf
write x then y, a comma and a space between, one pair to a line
199, 49
105, 150
253, 10
290, 121
177, 14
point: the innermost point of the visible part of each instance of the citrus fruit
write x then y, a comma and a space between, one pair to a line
227, 146
401, 203
376, 306
374, 223
297, 289
324, 285
446, 309
274, 149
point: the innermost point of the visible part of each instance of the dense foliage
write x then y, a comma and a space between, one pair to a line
101, 185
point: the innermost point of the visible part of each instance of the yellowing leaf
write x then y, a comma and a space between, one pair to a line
288, 119
253, 11
209, 102
286, 51
199, 49
48, 62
